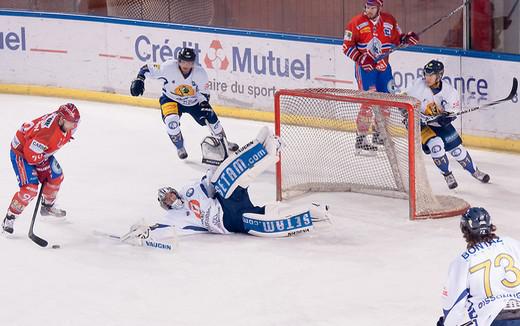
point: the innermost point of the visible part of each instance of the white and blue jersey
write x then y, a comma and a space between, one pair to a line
481, 281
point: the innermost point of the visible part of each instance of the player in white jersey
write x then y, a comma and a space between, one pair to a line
185, 90
220, 203
439, 102
483, 286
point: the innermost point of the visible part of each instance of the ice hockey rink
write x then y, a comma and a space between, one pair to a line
371, 266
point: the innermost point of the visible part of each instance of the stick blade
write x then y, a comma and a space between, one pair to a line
514, 89
39, 241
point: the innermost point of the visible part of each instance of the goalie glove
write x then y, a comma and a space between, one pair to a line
441, 120
205, 106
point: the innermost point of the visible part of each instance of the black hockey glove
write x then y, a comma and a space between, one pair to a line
205, 106
441, 120
137, 87
440, 322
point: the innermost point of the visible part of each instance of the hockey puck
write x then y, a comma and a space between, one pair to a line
55, 246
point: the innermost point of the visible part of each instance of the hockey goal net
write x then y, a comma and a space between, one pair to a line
318, 129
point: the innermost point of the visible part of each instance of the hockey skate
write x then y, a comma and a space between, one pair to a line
450, 180
481, 176
377, 139
8, 224
232, 146
181, 152
363, 147
51, 210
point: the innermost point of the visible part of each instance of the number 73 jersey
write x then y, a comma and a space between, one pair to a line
481, 281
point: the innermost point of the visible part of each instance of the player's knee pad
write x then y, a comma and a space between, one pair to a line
436, 146
459, 153
173, 124
22, 198
278, 222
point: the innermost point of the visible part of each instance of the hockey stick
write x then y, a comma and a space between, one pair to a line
511, 95
402, 45
36, 239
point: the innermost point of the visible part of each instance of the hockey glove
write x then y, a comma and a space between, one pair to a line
441, 120
410, 38
440, 322
43, 170
137, 87
205, 106
366, 62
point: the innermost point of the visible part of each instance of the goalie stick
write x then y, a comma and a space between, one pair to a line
36, 239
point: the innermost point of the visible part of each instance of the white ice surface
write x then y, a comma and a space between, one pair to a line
370, 267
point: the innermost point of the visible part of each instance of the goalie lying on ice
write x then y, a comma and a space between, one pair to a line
220, 203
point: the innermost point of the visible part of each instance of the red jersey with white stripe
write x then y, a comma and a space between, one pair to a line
35, 141
374, 36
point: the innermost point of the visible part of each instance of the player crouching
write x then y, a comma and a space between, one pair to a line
220, 202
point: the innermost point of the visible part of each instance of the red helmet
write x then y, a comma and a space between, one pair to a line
378, 3
69, 112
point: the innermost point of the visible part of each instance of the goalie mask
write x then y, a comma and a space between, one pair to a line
476, 221
169, 198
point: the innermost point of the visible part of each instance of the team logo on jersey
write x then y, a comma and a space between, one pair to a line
194, 206
214, 58
375, 47
431, 109
348, 35
387, 32
189, 192
184, 90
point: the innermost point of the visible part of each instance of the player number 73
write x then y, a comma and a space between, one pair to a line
486, 266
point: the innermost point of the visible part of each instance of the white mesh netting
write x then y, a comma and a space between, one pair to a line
318, 128
196, 12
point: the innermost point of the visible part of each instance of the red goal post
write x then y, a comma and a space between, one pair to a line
318, 127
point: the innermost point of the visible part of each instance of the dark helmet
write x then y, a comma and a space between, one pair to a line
187, 54
434, 67
476, 221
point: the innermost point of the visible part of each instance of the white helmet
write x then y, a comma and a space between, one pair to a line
161, 197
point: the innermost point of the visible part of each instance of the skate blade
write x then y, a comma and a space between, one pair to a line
365, 153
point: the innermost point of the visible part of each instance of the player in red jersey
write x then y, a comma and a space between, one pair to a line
368, 37
32, 156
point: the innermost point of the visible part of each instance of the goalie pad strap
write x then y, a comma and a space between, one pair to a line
261, 226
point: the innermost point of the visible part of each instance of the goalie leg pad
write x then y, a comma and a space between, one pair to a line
240, 168
277, 226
